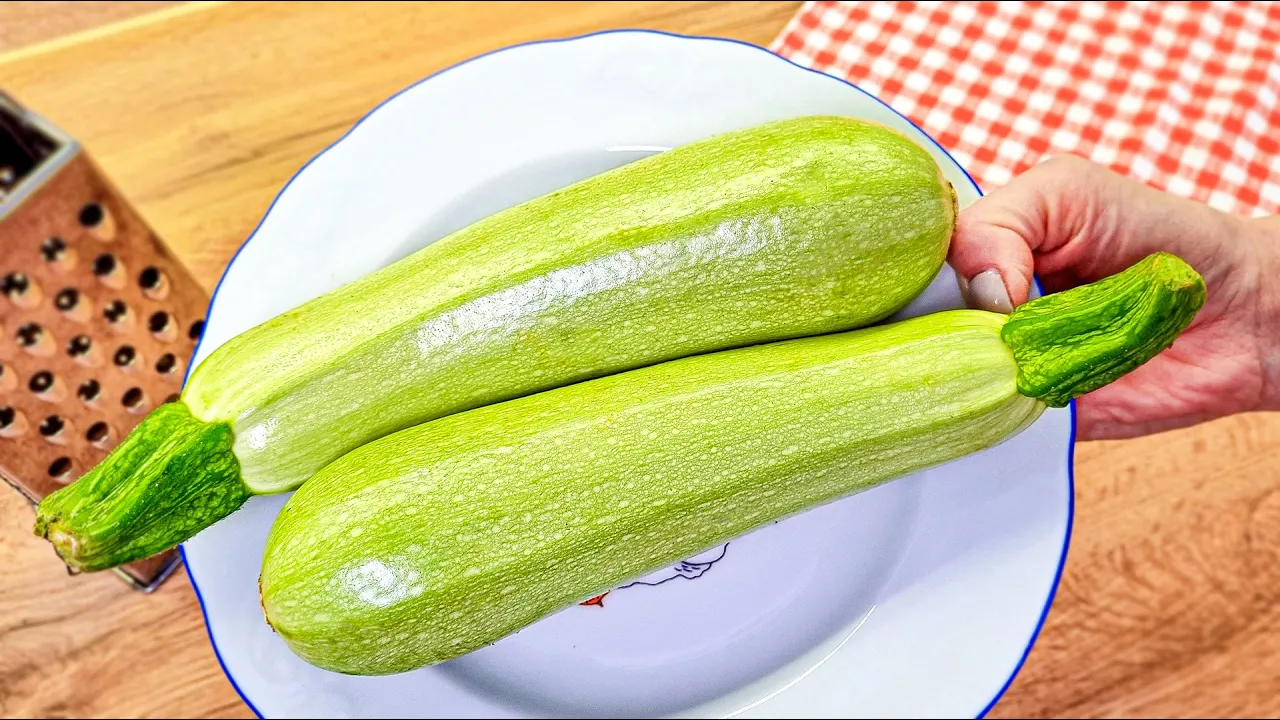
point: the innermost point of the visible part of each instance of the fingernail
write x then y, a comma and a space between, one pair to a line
964, 287
987, 292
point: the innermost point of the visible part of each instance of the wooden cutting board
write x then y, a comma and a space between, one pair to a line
200, 114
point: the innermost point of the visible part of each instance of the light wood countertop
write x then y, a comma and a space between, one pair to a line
200, 113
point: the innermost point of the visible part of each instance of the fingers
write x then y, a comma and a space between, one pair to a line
1073, 221
997, 236
1267, 252
992, 260
1070, 221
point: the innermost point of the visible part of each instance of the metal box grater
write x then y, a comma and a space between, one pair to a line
98, 319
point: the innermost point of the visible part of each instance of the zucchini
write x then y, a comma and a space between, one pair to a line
788, 229
443, 538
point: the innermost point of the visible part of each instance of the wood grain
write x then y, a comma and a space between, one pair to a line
201, 118
23, 22
1169, 605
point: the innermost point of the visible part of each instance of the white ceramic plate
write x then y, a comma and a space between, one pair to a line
920, 598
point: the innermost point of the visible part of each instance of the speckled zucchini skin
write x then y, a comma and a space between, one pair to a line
442, 538
789, 229
792, 228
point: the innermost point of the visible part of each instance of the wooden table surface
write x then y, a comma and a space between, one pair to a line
1170, 604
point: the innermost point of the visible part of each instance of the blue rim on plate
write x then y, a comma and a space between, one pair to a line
1066, 540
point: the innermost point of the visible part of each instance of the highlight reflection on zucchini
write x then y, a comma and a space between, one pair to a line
440, 539
793, 228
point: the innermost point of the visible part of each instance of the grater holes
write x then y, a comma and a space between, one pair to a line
12, 422
149, 278
104, 264
162, 326
167, 363
20, 289
52, 426
153, 282
89, 390
98, 221
60, 469
82, 349
67, 299
124, 356
34, 339
98, 434
46, 386
91, 215
196, 330
15, 283
116, 312
73, 305
41, 382
173, 397
57, 253
109, 270
29, 334
53, 249
133, 399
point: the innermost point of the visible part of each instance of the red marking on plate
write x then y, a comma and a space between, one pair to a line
598, 600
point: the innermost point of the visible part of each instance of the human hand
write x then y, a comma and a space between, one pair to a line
1071, 221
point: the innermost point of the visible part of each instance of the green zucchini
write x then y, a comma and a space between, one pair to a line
788, 229
440, 539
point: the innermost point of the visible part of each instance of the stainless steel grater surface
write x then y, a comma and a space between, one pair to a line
98, 319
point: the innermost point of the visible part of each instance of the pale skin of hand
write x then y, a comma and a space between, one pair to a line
1071, 221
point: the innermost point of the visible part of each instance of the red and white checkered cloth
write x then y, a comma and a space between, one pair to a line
1182, 96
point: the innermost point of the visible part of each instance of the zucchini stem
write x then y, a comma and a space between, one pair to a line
1073, 342
171, 477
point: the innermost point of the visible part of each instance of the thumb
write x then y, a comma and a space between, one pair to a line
1076, 221
992, 260
991, 251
